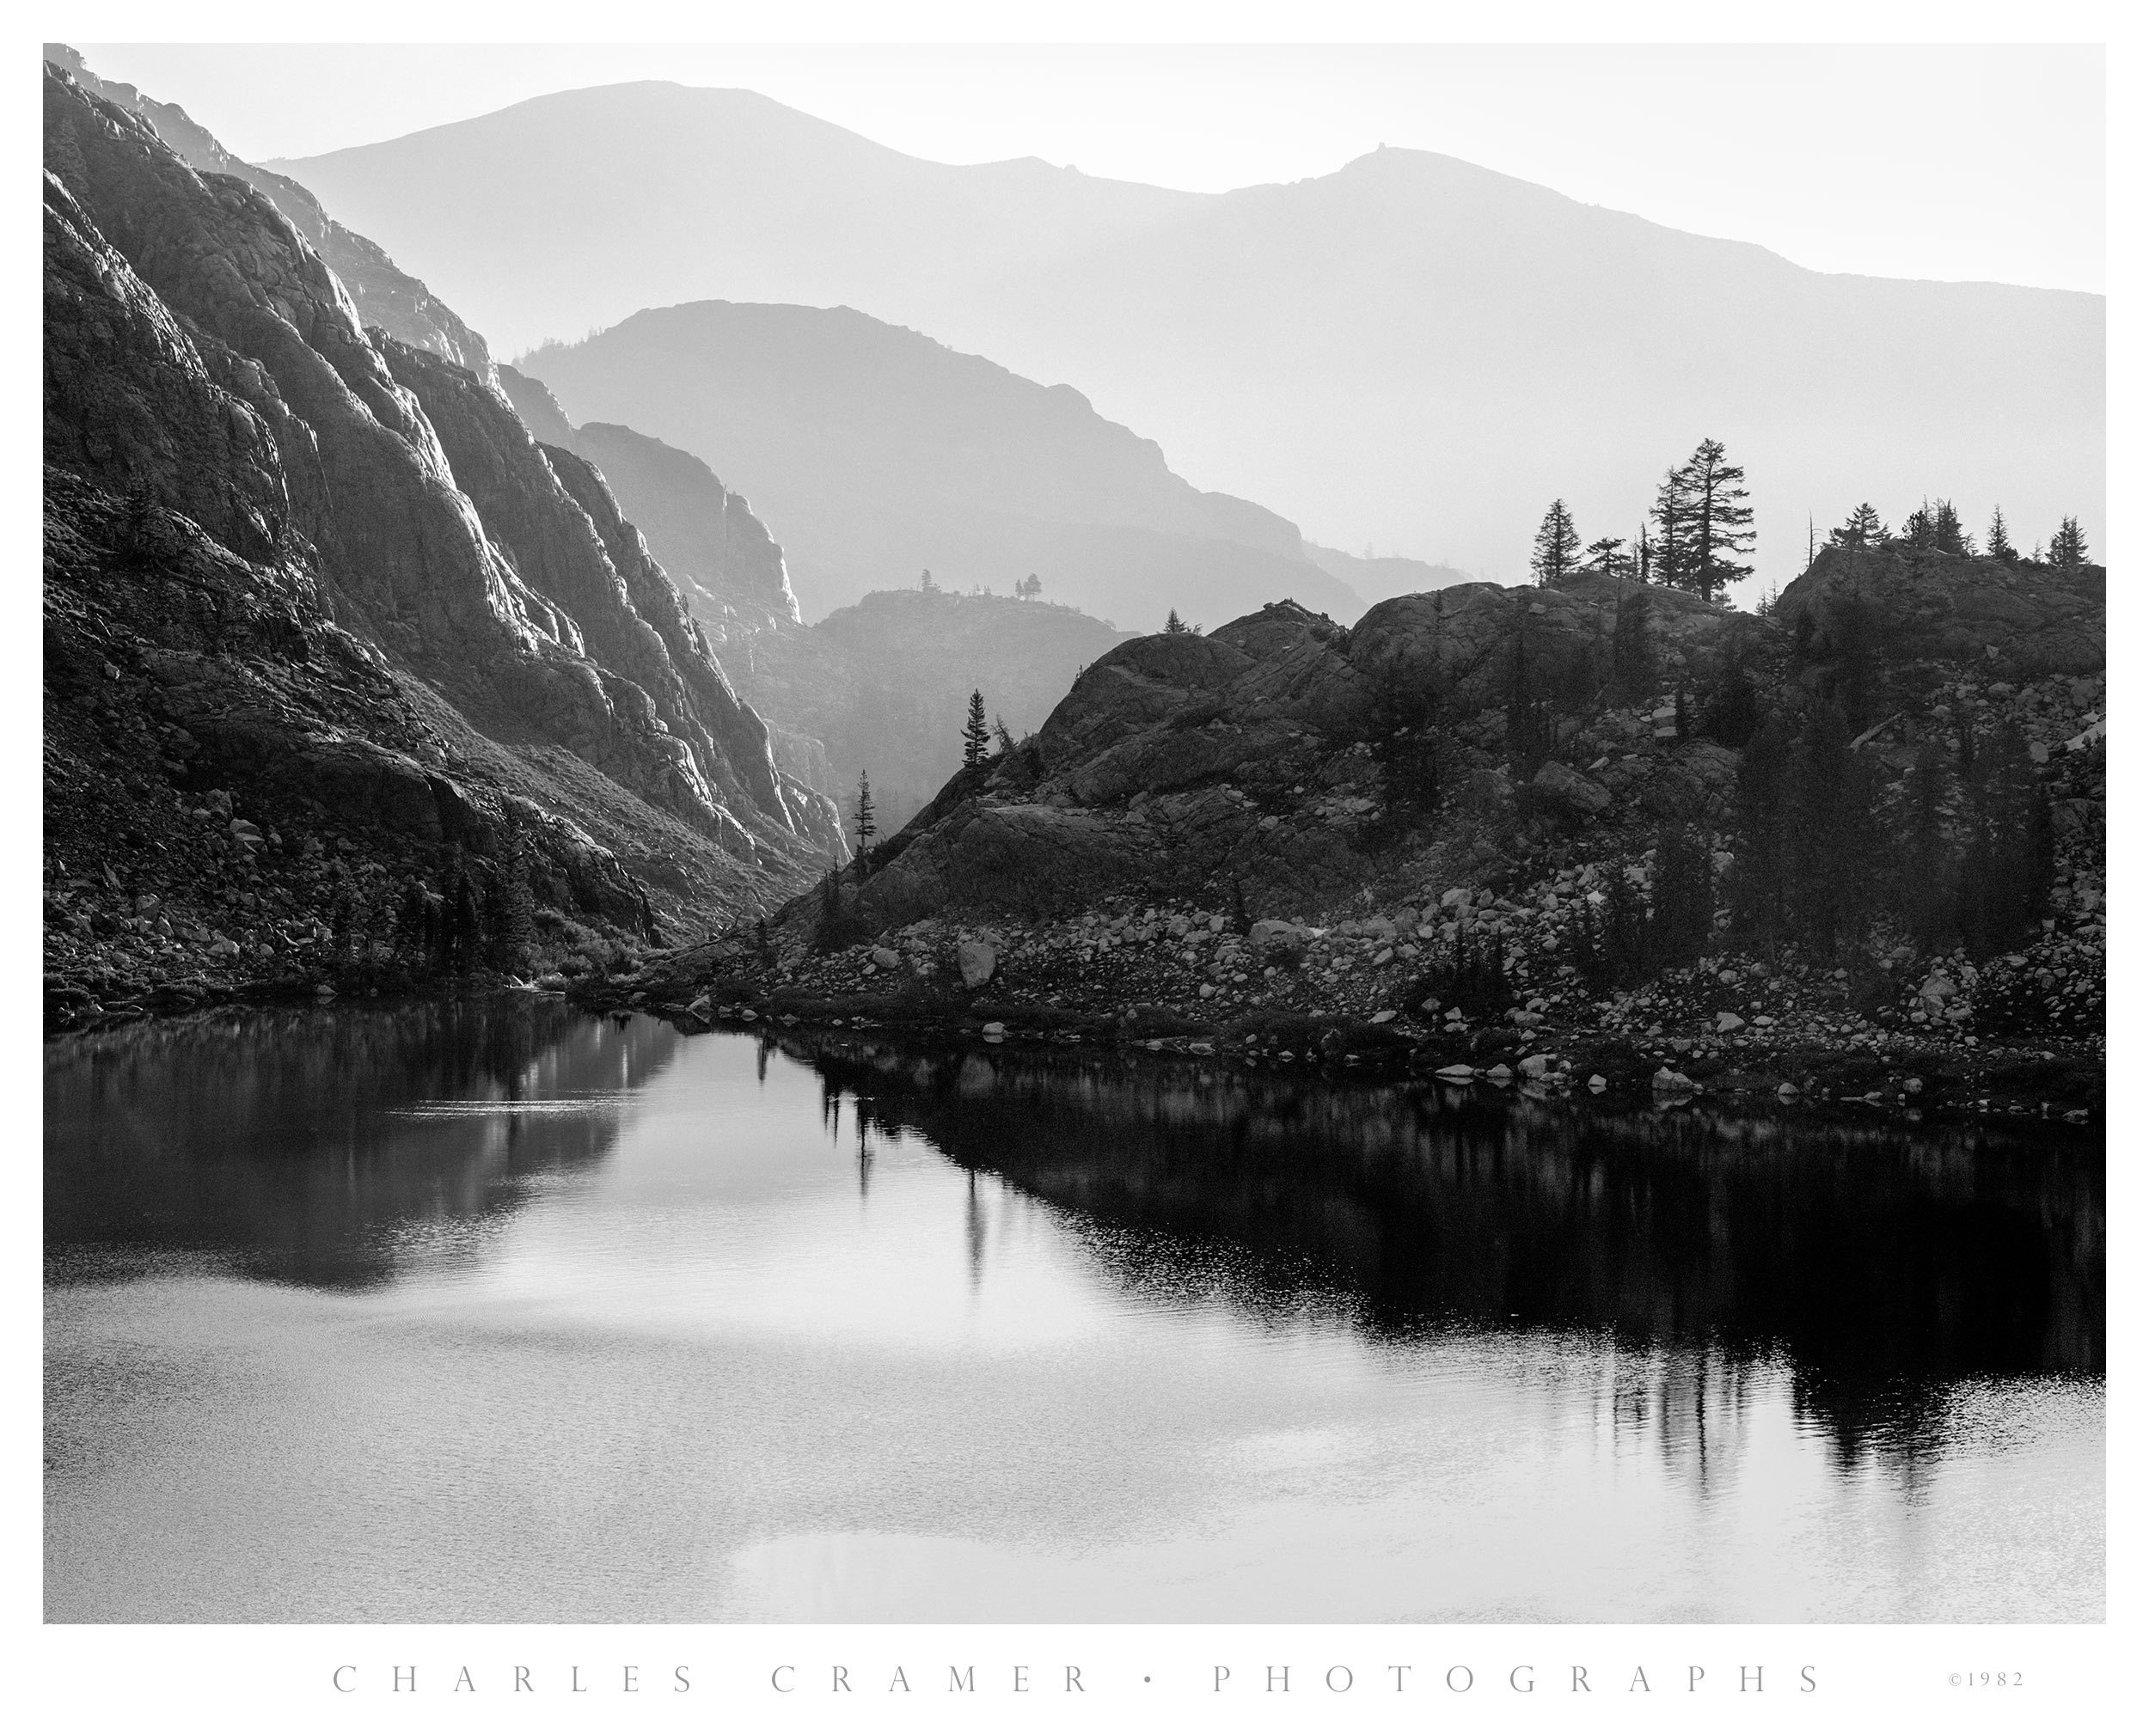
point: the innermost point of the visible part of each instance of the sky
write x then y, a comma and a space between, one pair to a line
1965, 161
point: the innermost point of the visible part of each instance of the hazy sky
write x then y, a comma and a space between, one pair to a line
1934, 162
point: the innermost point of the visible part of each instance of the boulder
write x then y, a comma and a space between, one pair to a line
1729, 1022
977, 960
1570, 792
886, 957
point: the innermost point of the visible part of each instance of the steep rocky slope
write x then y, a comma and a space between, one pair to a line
720, 555
386, 297
881, 453
259, 548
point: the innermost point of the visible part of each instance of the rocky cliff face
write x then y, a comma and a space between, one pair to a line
225, 434
550, 512
385, 296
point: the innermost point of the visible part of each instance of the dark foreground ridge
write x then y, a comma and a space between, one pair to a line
1601, 839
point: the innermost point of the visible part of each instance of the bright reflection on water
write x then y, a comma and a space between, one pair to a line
498, 1313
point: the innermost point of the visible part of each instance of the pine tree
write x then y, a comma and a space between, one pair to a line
1685, 899
831, 900
1947, 529
862, 822
1171, 621
2070, 550
976, 735
1917, 530
1552, 554
1607, 555
1760, 913
925, 581
1002, 735
1828, 832
1863, 529
1924, 877
1633, 665
1733, 709
1702, 520
2007, 860
1997, 546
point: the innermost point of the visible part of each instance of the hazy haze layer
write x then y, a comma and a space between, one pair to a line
1411, 351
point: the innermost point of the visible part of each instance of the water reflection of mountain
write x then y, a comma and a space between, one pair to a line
292, 1141
1883, 1262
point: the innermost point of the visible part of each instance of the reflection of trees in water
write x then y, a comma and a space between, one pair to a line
1881, 1262
273, 1136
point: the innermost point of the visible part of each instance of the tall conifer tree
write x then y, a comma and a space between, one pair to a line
1703, 520
2070, 551
862, 822
1553, 554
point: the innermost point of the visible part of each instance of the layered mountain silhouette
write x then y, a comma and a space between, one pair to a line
884, 454
878, 686
1412, 350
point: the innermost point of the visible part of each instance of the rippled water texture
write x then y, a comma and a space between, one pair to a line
495, 1311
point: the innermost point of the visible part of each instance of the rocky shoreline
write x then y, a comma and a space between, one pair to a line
1345, 1000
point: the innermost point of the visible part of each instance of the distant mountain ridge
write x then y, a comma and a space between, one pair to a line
1413, 350
884, 454
879, 686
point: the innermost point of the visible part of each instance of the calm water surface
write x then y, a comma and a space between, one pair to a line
496, 1312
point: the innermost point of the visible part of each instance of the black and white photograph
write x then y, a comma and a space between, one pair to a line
841, 833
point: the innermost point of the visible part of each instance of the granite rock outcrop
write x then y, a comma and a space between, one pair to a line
338, 567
